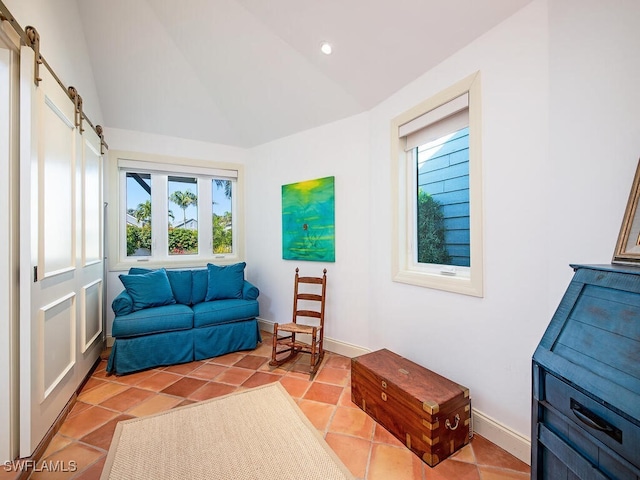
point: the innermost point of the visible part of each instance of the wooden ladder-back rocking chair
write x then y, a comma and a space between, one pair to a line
312, 308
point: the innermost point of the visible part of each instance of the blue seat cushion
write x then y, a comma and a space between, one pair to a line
224, 311
167, 318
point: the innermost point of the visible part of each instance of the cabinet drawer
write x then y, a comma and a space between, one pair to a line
619, 434
560, 461
580, 442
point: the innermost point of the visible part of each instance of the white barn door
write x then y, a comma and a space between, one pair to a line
61, 252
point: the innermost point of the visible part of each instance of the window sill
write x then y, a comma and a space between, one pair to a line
194, 262
465, 285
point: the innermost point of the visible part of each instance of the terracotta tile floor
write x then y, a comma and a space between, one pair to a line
367, 449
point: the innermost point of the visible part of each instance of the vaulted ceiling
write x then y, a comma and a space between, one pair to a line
245, 72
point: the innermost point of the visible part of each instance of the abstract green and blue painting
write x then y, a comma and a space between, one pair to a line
308, 220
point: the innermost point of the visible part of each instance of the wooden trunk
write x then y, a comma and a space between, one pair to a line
427, 412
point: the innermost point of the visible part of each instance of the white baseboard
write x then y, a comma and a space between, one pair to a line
502, 436
110, 341
330, 344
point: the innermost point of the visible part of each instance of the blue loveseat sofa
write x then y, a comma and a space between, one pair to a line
165, 317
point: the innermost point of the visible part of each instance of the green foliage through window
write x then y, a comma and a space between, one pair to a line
430, 231
183, 241
222, 233
142, 213
139, 240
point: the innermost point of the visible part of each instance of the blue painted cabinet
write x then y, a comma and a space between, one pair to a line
586, 380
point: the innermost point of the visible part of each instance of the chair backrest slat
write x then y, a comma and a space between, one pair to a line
310, 296
316, 280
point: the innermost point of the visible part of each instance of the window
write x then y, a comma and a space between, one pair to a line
437, 191
138, 216
183, 231
173, 211
222, 219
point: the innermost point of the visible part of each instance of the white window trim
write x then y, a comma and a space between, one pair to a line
404, 268
180, 166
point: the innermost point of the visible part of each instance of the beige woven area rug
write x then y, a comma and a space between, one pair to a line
252, 434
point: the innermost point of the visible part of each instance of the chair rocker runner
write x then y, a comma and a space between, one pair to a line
311, 307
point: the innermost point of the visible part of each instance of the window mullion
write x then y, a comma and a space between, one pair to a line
234, 219
412, 194
122, 218
205, 212
159, 216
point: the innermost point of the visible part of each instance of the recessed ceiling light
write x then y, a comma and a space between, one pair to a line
325, 47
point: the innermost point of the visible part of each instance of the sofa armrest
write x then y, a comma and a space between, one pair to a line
122, 304
249, 291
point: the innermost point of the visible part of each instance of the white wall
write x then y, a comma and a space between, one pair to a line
594, 128
132, 141
62, 44
560, 144
340, 149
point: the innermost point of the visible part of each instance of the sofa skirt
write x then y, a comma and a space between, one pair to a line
221, 339
132, 354
139, 353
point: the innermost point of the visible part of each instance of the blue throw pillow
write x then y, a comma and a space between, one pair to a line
149, 289
200, 284
139, 271
180, 281
225, 282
